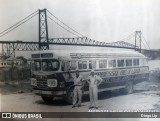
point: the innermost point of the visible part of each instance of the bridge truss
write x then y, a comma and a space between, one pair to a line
10, 47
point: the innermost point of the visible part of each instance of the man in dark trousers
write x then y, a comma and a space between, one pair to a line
77, 92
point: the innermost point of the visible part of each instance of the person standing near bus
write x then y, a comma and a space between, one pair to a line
77, 92
94, 81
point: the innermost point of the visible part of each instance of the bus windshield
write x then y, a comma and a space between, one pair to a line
50, 65
45, 65
36, 65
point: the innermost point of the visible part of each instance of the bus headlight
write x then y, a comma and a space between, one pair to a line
33, 82
52, 83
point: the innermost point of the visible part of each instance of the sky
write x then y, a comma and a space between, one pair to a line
101, 20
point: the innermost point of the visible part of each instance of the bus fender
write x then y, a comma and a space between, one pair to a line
69, 87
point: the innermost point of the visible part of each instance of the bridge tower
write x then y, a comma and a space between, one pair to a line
138, 41
43, 30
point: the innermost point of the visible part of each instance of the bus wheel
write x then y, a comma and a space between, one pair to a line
70, 96
47, 99
128, 87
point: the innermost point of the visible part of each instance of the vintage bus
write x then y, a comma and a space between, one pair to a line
52, 71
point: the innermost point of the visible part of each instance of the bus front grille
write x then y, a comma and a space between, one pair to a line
42, 84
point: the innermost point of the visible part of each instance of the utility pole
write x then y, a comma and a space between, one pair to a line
43, 30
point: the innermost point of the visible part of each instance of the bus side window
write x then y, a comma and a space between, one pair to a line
128, 62
136, 62
102, 63
112, 63
73, 65
120, 63
67, 65
143, 62
82, 65
92, 64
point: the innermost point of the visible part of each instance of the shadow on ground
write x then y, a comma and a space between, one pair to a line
55, 102
102, 96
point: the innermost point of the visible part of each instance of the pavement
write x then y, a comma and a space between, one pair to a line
147, 98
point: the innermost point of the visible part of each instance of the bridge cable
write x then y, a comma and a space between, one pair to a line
145, 41
144, 45
128, 37
71, 28
18, 24
62, 26
65, 24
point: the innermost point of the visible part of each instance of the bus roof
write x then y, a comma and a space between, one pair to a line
81, 54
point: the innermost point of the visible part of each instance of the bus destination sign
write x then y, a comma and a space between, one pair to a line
35, 55
46, 55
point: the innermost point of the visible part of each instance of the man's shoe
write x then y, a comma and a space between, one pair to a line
73, 106
90, 106
79, 105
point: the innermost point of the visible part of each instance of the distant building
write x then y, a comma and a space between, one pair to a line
3, 62
19, 62
14, 61
6, 63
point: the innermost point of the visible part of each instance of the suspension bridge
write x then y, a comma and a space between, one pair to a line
44, 42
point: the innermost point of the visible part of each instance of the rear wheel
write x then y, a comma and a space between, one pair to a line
128, 87
47, 99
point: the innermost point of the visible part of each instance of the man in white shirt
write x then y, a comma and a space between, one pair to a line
94, 81
77, 92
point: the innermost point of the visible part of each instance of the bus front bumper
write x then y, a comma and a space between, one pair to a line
50, 93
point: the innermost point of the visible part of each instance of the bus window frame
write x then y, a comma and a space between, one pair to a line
82, 64
66, 66
103, 63
131, 62
111, 59
123, 62
138, 62
70, 64
92, 64
145, 61
32, 62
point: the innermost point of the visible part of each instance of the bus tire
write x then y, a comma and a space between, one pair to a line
47, 99
128, 87
69, 96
